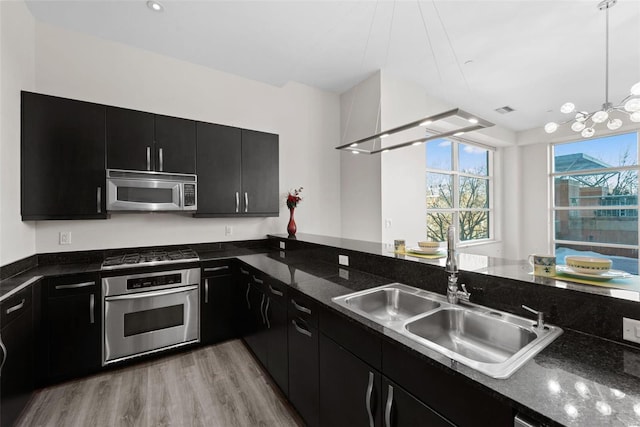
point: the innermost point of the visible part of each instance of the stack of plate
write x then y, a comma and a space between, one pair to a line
428, 248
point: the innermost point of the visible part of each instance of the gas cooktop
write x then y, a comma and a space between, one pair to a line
149, 258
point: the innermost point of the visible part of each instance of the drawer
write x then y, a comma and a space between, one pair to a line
72, 285
219, 267
14, 306
302, 307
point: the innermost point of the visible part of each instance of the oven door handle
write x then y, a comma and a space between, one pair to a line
152, 294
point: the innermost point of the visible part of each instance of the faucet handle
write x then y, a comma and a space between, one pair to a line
464, 294
540, 315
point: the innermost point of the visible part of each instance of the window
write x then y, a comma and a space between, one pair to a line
595, 209
459, 185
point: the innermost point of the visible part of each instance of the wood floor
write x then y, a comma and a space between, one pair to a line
219, 385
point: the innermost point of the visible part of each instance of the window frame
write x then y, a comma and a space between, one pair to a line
456, 175
554, 209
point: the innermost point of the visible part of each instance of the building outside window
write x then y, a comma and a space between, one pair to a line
595, 199
459, 190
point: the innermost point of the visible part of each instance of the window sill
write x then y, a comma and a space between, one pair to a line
478, 243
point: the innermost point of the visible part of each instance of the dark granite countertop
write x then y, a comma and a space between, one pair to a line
578, 380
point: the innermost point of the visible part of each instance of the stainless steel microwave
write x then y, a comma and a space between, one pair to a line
150, 191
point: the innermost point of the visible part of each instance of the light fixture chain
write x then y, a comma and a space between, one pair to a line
426, 31
606, 73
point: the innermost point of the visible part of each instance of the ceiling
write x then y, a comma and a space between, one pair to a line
477, 55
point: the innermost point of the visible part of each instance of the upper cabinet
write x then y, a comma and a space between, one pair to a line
237, 172
148, 142
63, 158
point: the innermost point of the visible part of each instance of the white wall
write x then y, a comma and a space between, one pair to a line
17, 41
360, 174
74, 65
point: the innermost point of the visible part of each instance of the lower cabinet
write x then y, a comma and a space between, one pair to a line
402, 409
16, 359
350, 390
217, 315
71, 332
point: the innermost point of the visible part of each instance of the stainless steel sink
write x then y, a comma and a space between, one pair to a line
390, 304
493, 342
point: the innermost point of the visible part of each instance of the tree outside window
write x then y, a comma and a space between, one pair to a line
458, 190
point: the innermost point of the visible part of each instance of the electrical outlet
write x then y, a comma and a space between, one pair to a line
631, 330
228, 230
64, 238
344, 274
282, 245
343, 260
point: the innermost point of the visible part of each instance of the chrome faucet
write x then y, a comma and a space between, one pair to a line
451, 267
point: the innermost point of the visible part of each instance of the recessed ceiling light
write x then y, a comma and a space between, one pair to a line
155, 6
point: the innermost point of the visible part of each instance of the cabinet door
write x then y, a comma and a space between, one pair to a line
63, 161
256, 336
304, 387
130, 136
403, 410
277, 342
260, 182
242, 276
16, 359
219, 166
216, 296
349, 388
72, 327
175, 145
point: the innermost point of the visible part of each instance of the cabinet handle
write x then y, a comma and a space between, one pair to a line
247, 296
16, 307
299, 307
224, 267
275, 291
237, 201
368, 399
264, 321
75, 285
206, 291
259, 281
4, 354
387, 410
244, 271
148, 158
92, 309
142, 295
99, 199
246, 201
160, 159
266, 313
300, 329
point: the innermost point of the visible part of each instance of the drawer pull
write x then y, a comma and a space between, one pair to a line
275, 291
260, 281
300, 307
247, 296
4, 354
16, 307
75, 285
243, 271
300, 329
210, 269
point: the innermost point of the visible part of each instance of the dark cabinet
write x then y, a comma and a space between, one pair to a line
304, 380
350, 390
275, 313
237, 172
62, 158
142, 141
434, 386
16, 358
217, 316
71, 326
401, 409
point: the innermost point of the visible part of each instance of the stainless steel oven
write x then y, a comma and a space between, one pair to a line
149, 312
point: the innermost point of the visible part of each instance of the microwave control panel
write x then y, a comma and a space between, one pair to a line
189, 194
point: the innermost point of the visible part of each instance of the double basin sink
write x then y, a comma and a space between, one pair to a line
490, 341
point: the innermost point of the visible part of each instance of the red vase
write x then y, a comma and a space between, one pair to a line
291, 227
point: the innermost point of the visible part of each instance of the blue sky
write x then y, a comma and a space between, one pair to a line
439, 156
608, 150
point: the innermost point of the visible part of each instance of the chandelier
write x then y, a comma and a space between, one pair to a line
585, 122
